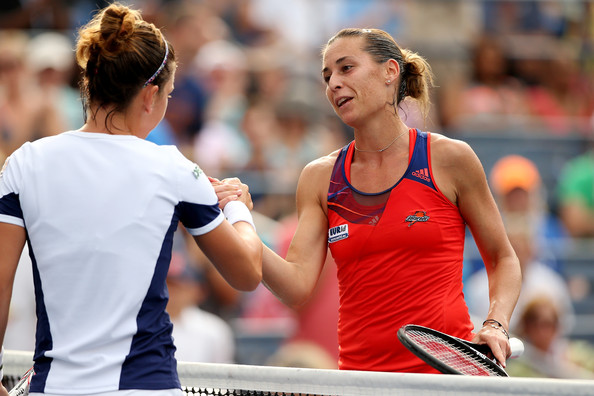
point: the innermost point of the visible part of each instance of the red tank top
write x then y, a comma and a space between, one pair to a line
399, 260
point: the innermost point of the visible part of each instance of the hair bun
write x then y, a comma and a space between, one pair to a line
117, 27
118, 52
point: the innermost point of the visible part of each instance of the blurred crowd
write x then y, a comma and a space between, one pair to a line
249, 102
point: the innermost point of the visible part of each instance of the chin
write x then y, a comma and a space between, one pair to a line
347, 119
350, 122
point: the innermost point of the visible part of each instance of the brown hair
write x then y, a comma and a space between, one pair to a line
416, 76
119, 52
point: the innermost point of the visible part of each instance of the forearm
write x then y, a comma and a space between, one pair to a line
5, 296
235, 251
12, 241
238, 214
505, 282
253, 249
287, 280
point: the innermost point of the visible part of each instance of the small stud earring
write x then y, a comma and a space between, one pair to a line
388, 82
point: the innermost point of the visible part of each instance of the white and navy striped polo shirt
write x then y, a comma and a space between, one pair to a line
100, 212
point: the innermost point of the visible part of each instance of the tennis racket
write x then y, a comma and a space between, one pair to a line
452, 355
22, 387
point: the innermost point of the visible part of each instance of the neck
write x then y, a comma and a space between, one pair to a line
380, 142
103, 122
378, 130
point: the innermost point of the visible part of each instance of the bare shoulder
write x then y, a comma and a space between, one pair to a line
320, 167
456, 168
445, 150
315, 179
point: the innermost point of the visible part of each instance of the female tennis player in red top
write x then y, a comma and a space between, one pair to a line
392, 206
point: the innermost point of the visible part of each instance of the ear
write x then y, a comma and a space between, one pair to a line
392, 70
149, 96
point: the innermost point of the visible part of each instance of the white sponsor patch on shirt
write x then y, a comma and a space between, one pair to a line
337, 233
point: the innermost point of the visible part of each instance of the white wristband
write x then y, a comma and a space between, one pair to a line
237, 211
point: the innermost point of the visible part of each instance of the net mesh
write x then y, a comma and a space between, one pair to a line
232, 379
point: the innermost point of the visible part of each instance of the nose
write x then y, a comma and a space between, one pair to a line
334, 82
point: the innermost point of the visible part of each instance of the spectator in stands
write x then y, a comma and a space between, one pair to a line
576, 194
522, 198
531, 17
36, 14
537, 279
548, 352
312, 324
36, 98
222, 66
50, 57
199, 336
302, 354
272, 76
491, 99
561, 101
190, 25
19, 107
298, 139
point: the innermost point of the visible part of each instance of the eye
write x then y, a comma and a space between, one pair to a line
326, 78
346, 68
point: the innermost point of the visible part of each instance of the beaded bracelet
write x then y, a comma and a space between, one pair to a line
496, 325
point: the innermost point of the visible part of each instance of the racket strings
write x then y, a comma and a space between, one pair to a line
466, 362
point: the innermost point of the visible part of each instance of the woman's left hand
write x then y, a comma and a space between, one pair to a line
496, 339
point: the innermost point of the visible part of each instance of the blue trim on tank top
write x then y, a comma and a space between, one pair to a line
406, 172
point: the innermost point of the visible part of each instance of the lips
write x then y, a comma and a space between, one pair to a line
341, 101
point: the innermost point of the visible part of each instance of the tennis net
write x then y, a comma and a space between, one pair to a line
233, 379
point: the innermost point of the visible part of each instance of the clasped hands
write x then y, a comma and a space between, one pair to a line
231, 189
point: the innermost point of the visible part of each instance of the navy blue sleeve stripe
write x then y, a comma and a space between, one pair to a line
10, 205
196, 215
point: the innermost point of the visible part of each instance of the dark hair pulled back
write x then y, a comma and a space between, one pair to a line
118, 52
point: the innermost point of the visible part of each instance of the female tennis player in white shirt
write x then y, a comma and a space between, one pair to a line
98, 208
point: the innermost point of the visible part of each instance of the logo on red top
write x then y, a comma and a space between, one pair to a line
422, 174
337, 233
419, 215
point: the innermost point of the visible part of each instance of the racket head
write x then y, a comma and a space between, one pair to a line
447, 354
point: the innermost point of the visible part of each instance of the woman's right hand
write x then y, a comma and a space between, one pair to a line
3, 391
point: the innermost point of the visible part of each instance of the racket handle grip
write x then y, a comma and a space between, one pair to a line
517, 347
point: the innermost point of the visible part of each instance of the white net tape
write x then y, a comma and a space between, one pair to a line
234, 379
